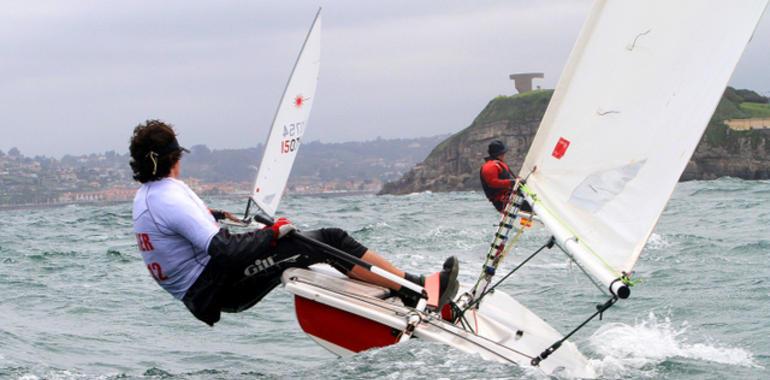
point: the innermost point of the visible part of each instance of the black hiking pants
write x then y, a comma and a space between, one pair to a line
235, 281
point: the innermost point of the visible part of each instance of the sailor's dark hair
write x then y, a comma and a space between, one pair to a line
151, 158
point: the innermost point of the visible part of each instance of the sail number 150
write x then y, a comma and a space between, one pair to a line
291, 134
289, 145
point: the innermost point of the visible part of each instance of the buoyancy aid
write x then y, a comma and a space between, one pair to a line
496, 180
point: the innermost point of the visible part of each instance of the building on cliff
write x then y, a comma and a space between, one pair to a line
747, 124
523, 81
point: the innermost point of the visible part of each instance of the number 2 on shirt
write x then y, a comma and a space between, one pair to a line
156, 272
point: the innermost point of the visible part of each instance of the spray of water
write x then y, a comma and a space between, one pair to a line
640, 347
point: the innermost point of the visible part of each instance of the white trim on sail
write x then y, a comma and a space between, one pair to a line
289, 123
631, 106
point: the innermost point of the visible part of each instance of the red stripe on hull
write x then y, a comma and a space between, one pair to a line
340, 327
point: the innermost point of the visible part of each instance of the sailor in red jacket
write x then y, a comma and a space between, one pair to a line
496, 178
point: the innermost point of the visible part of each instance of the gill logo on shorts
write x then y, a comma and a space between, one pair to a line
263, 264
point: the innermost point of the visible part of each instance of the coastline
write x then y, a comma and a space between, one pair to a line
330, 194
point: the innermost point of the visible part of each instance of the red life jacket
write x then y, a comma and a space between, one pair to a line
497, 195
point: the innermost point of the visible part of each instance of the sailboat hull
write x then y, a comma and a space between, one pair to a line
346, 317
348, 333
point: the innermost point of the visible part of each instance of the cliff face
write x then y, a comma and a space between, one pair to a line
725, 152
454, 164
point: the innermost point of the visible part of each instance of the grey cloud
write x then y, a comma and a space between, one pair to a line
77, 75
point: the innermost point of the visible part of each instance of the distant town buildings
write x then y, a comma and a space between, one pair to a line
43, 181
26, 181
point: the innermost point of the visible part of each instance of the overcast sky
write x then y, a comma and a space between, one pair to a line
76, 76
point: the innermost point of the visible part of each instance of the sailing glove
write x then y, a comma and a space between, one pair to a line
281, 227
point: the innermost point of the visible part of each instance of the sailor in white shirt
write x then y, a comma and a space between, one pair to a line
211, 270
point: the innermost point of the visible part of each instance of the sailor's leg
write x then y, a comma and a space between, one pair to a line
448, 284
375, 259
340, 239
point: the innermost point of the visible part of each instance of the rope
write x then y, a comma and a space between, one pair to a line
506, 249
550, 350
476, 301
463, 321
495, 352
501, 245
626, 279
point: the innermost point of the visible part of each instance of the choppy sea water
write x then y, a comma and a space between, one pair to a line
77, 302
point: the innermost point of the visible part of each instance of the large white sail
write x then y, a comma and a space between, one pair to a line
633, 101
289, 123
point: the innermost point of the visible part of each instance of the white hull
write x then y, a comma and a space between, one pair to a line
347, 316
333, 348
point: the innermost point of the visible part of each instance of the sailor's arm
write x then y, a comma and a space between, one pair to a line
222, 214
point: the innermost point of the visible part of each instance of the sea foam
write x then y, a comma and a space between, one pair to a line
654, 340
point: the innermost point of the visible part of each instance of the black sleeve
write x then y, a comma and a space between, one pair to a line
238, 250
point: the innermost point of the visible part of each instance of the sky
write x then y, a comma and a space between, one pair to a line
76, 76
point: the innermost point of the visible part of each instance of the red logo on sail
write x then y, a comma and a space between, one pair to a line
560, 148
299, 101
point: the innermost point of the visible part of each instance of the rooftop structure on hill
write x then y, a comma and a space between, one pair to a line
523, 81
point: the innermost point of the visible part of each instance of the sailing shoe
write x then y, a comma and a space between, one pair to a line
448, 283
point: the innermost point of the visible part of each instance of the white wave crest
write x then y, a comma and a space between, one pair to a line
64, 375
657, 241
652, 341
374, 226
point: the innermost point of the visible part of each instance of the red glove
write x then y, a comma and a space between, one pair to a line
281, 227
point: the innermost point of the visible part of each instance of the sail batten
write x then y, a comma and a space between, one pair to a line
631, 106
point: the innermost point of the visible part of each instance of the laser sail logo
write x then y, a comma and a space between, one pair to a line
561, 148
300, 100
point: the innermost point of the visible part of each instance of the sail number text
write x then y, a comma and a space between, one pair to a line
291, 136
289, 145
294, 129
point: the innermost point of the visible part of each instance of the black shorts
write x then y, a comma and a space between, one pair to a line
223, 287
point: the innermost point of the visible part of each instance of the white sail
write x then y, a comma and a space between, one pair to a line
289, 123
633, 101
